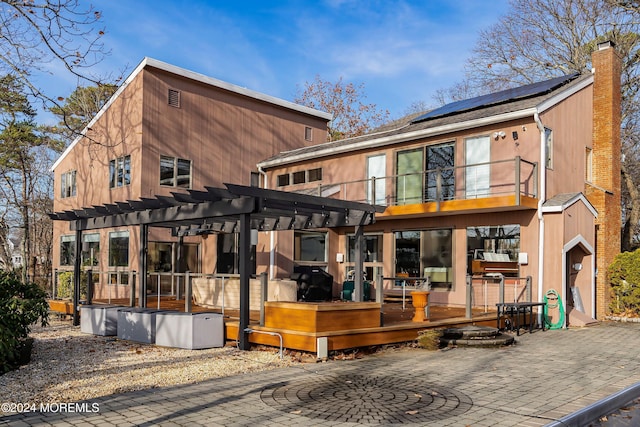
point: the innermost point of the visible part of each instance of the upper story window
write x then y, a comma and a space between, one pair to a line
283, 180
300, 177
315, 175
308, 133
175, 172
425, 173
68, 184
174, 98
548, 147
120, 172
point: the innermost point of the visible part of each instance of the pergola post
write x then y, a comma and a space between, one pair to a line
76, 275
142, 266
358, 284
245, 272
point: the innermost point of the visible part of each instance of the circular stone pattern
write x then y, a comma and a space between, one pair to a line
367, 399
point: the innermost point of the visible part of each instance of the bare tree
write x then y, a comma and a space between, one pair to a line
351, 117
540, 39
24, 152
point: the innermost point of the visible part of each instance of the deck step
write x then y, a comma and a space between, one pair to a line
475, 336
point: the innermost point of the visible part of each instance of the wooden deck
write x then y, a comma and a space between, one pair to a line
344, 324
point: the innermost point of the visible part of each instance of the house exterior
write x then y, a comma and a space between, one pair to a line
167, 130
523, 183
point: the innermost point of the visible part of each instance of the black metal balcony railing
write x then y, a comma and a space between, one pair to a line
515, 177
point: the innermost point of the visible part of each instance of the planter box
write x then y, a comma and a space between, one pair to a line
189, 330
99, 319
62, 307
321, 316
137, 324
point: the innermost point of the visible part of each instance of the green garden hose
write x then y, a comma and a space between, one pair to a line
552, 300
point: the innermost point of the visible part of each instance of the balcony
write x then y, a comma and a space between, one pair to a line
484, 187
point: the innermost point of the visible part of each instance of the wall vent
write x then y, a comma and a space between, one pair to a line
174, 98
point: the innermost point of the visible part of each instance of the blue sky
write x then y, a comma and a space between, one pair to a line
402, 51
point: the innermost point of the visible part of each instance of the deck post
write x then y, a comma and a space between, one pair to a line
517, 181
501, 291
469, 298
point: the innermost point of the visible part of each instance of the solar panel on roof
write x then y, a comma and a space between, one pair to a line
498, 97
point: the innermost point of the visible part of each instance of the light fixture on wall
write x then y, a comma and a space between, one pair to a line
500, 134
577, 266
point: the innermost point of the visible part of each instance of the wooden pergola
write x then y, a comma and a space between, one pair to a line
234, 209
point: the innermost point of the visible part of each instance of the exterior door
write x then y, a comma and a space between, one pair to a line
477, 172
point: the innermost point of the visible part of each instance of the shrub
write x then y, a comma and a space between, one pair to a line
65, 285
21, 305
624, 277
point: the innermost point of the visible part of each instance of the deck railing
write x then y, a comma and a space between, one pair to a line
505, 177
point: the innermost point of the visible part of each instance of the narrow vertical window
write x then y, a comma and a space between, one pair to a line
308, 133
588, 166
548, 147
68, 184
120, 172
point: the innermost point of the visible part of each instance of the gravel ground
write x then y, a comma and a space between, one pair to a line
68, 366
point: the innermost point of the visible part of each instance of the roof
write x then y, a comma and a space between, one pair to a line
182, 72
497, 109
560, 202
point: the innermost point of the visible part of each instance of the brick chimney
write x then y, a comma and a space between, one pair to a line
604, 193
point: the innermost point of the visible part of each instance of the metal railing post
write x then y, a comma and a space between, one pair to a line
187, 292
264, 295
501, 291
132, 291
89, 286
158, 291
528, 285
469, 298
54, 283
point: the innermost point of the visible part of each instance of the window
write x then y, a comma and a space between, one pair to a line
426, 253
588, 167
175, 172
493, 249
68, 184
315, 174
299, 177
228, 258
90, 249
119, 249
120, 172
548, 147
67, 250
308, 133
283, 180
310, 248
174, 98
419, 171
376, 168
